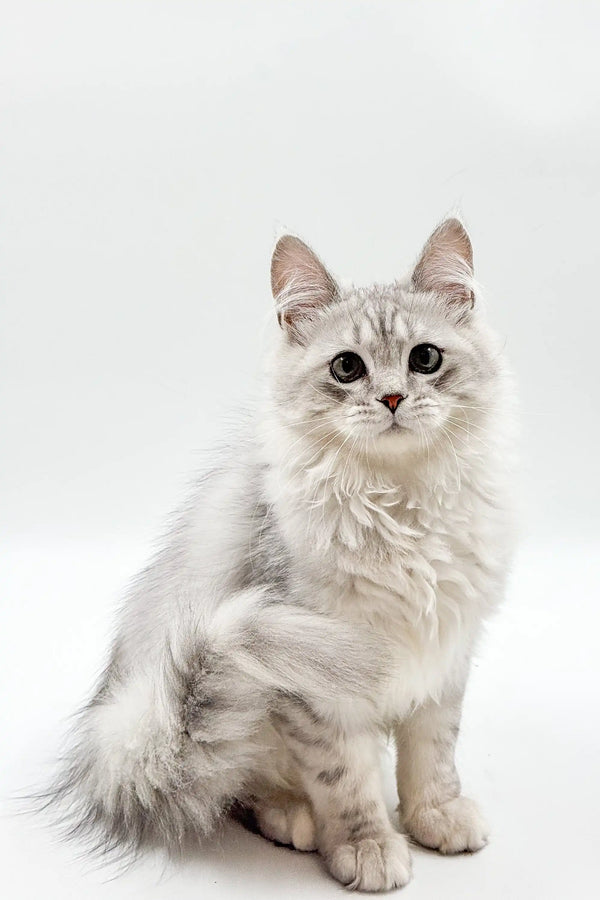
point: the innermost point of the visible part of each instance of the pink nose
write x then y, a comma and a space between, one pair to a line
392, 401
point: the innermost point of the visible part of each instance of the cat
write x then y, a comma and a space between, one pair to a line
325, 585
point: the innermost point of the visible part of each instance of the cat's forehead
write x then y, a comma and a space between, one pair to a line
381, 314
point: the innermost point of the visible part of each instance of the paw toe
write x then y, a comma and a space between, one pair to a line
273, 823
302, 829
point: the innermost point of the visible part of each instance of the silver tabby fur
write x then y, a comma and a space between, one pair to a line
324, 585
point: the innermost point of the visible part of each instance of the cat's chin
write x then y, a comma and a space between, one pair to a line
396, 441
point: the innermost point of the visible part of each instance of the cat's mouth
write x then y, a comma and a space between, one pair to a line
393, 426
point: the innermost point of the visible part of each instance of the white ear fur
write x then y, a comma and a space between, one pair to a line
300, 283
446, 264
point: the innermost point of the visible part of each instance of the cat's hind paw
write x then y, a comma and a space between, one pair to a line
289, 822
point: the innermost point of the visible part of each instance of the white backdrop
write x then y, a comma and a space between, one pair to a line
150, 152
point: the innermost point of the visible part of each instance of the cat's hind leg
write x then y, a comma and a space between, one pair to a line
276, 805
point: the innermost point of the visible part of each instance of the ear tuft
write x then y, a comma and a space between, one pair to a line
301, 285
446, 264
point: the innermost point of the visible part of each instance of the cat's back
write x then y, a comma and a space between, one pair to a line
209, 549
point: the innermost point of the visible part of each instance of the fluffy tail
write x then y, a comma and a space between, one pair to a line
164, 749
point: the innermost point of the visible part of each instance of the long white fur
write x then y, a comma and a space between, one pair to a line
386, 552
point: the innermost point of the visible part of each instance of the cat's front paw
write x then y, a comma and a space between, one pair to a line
452, 827
378, 863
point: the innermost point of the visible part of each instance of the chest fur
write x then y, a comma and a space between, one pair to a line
416, 572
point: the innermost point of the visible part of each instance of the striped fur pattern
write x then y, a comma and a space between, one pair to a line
324, 585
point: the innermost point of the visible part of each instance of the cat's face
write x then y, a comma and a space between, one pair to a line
385, 368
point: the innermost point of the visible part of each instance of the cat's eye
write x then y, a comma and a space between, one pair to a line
425, 358
347, 367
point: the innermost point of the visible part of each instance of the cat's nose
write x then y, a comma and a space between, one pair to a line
392, 401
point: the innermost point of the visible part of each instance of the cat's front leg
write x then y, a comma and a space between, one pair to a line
340, 775
432, 808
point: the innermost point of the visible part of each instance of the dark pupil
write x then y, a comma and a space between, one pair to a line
426, 356
348, 364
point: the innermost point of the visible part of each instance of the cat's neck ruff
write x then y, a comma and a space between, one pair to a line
335, 497
340, 468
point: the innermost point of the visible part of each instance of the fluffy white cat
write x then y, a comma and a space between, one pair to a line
326, 583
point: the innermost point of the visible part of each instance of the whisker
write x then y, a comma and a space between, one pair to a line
458, 469
456, 424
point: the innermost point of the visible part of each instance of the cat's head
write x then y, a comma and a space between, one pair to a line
387, 368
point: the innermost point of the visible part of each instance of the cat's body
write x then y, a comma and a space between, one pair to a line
326, 583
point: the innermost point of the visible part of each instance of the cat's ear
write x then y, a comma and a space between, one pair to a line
446, 265
301, 285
